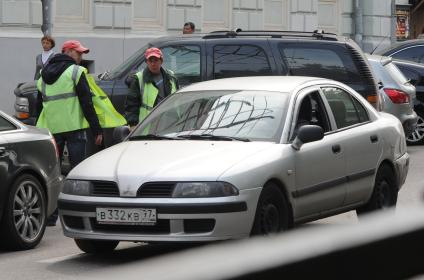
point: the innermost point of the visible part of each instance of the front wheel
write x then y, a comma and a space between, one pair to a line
272, 213
24, 219
385, 191
96, 246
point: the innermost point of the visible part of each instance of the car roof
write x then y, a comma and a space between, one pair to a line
263, 83
401, 44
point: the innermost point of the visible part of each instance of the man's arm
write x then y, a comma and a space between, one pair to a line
85, 99
133, 103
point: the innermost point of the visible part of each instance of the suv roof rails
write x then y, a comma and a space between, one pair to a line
318, 34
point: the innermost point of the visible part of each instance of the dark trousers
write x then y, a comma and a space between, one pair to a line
76, 142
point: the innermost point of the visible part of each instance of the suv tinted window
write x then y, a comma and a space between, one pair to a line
239, 60
345, 112
183, 60
319, 61
413, 54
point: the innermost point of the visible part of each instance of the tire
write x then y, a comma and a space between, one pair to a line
417, 136
25, 214
272, 213
385, 192
96, 246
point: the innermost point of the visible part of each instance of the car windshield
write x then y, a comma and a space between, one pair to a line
128, 63
218, 115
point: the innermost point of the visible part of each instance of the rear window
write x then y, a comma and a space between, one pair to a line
324, 61
395, 73
240, 60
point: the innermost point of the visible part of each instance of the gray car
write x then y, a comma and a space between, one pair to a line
396, 93
30, 182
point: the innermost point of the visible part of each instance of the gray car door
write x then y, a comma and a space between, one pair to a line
361, 139
320, 166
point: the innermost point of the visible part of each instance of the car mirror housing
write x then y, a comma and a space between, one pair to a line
120, 133
306, 134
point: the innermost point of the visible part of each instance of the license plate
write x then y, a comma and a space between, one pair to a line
126, 216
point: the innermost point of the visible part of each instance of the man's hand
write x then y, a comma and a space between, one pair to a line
99, 140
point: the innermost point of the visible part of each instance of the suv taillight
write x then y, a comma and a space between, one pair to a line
397, 96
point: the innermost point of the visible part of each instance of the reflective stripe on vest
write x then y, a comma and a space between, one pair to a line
61, 108
149, 94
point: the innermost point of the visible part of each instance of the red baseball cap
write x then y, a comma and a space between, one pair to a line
74, 45
153, 52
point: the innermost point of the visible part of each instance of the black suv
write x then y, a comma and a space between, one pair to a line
222, 54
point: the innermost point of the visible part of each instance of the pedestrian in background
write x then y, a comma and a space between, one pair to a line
48, 43
188, 28
149, 87
65, 105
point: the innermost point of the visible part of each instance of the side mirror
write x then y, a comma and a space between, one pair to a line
120, 133
306, 134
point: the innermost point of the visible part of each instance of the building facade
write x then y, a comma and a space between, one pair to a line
124, 25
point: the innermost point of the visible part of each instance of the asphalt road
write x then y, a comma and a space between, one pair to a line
57, 257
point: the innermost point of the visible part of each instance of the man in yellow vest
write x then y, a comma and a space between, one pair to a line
65, 104
149, 87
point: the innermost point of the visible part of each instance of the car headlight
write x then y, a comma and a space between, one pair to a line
77, 187
204, 189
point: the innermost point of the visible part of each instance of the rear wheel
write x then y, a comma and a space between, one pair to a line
272, 212
96, 246
24, 219
385, 191
417, 136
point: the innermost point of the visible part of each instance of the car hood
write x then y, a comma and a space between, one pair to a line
133, 163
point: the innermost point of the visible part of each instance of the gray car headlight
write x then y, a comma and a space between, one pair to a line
204, 189
77, 187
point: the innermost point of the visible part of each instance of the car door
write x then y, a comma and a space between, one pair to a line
360, 138
320, 166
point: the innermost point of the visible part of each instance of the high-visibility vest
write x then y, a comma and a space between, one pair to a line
149, 94
106, 113
61, 108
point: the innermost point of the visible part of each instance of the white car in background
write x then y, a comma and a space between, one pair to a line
229, 158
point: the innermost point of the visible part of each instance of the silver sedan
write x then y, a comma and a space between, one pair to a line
230, 158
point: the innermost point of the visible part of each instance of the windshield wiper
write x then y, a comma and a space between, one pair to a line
213, 137
152, 137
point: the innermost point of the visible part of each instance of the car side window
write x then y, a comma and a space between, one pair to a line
319, 61
346, 110
412, 54
5, 125
240, 60
183, 60
311, 112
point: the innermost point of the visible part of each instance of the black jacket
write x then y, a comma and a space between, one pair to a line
51, 73
133, 102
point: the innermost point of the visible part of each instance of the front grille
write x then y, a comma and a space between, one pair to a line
156, 190
104, 188
198, 225
73, 222
162, 227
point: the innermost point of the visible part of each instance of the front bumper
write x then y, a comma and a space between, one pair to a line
178, 220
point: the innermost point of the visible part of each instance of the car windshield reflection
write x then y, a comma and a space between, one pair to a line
219, 115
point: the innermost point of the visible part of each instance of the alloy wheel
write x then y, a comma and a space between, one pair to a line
418, 134
28, 212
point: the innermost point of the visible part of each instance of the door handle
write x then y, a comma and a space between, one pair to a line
374, 138
336, 149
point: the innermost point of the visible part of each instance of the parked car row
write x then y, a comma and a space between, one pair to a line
241, 149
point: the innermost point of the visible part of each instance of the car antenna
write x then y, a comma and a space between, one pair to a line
378, 44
